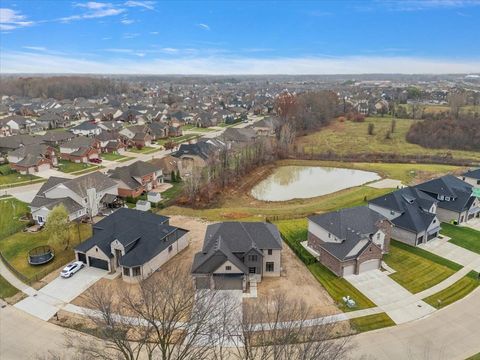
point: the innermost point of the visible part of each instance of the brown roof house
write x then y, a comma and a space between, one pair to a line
80, 149
167, 164
32, 159
135, 179
349, 241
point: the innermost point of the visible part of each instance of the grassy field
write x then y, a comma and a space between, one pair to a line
6, 290
462, 236
349, 137
11, 211
294, 231
417, 269
70, 167
371, 322
12, 177
15, 249
114, 157
454, 292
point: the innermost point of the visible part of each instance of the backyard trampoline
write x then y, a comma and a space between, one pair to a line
40, 255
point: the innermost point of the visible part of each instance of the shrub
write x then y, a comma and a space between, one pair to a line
370, 129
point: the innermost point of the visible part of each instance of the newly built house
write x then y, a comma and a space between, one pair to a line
134, 243
350, 241
234, 253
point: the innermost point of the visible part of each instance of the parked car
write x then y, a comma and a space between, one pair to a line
96, 161
71, 269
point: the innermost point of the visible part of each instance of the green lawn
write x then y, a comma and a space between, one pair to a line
417, 269
9, 177
371, 322
196, 129
454, 292
144, 150
294, 231
70, 167
11, 211
6, 290
114, 157
352, 138
15, 249
474, 357
462, 236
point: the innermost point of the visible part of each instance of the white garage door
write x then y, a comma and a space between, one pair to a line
369, 265
43, 167
348, 270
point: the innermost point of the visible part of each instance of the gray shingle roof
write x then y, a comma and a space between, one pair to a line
474, 174
127, 174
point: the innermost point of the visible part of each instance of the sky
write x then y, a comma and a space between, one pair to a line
244, 37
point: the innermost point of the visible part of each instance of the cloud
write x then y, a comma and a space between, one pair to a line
154, 32
12, 19
419, 5
94, 10
127, 21
204, 26
36, 48
26, 62
130, 35
149, 5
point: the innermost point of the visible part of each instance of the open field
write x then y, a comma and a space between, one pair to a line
71, 167
237, 204
15, 249
352, 138
371, 322
417, 269
12, 177
11, 211
465, 237
6, 290
455, 292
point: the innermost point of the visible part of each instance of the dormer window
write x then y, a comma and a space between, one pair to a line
440, 197
447, 198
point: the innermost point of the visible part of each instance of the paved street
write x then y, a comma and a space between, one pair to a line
391, 297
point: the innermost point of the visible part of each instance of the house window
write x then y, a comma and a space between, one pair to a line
252, 257
170, 248
228, 267
40, 219
378, 236
252, 270
136, 271
270, 267
434, 221
329, 235
270, 251
126, 271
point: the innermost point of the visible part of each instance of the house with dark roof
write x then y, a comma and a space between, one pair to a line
83, 196
112, 142
472, 177
412, 213
349, 241
235, 253
135, 179
132, 242
195, 156
456, 201
86, 128
32, 159
168, 164
10, 143
80, 149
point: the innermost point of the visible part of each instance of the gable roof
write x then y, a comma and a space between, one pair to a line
474, 174
127, 174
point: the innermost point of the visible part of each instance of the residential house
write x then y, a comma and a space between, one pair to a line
412, 212
168, 164
235, 253
138, 136
134, 243
455, 198
80, 149
86, 128
472, 177
56, 138
235, 137
110, 125
193, 156
10, 143
32, 159
350, 241
158, 130
84, 196
53, 120
135, 179
266, 127
5, 128
21, 125
111, 142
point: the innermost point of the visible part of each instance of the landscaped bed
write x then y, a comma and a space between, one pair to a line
465, 237
371, 322
417, 269
15, 249
454, 292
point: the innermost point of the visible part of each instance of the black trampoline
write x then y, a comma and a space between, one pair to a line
40, 255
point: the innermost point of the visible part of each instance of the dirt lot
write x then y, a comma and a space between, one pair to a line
297, 283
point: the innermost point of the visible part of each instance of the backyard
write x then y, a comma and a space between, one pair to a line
15, 249
352, 138
11, 210
417, 269
462, 236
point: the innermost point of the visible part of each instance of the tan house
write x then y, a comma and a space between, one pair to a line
135, 179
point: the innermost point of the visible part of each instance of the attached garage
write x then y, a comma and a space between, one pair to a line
82, 257
202, 282
43, 167
432, 236
228, 282
348, 270
98, 263
369, 265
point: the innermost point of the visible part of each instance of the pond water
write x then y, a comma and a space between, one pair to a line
301, 182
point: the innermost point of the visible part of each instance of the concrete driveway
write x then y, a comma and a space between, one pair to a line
455, 253
391, 297
473, 223
58, 293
